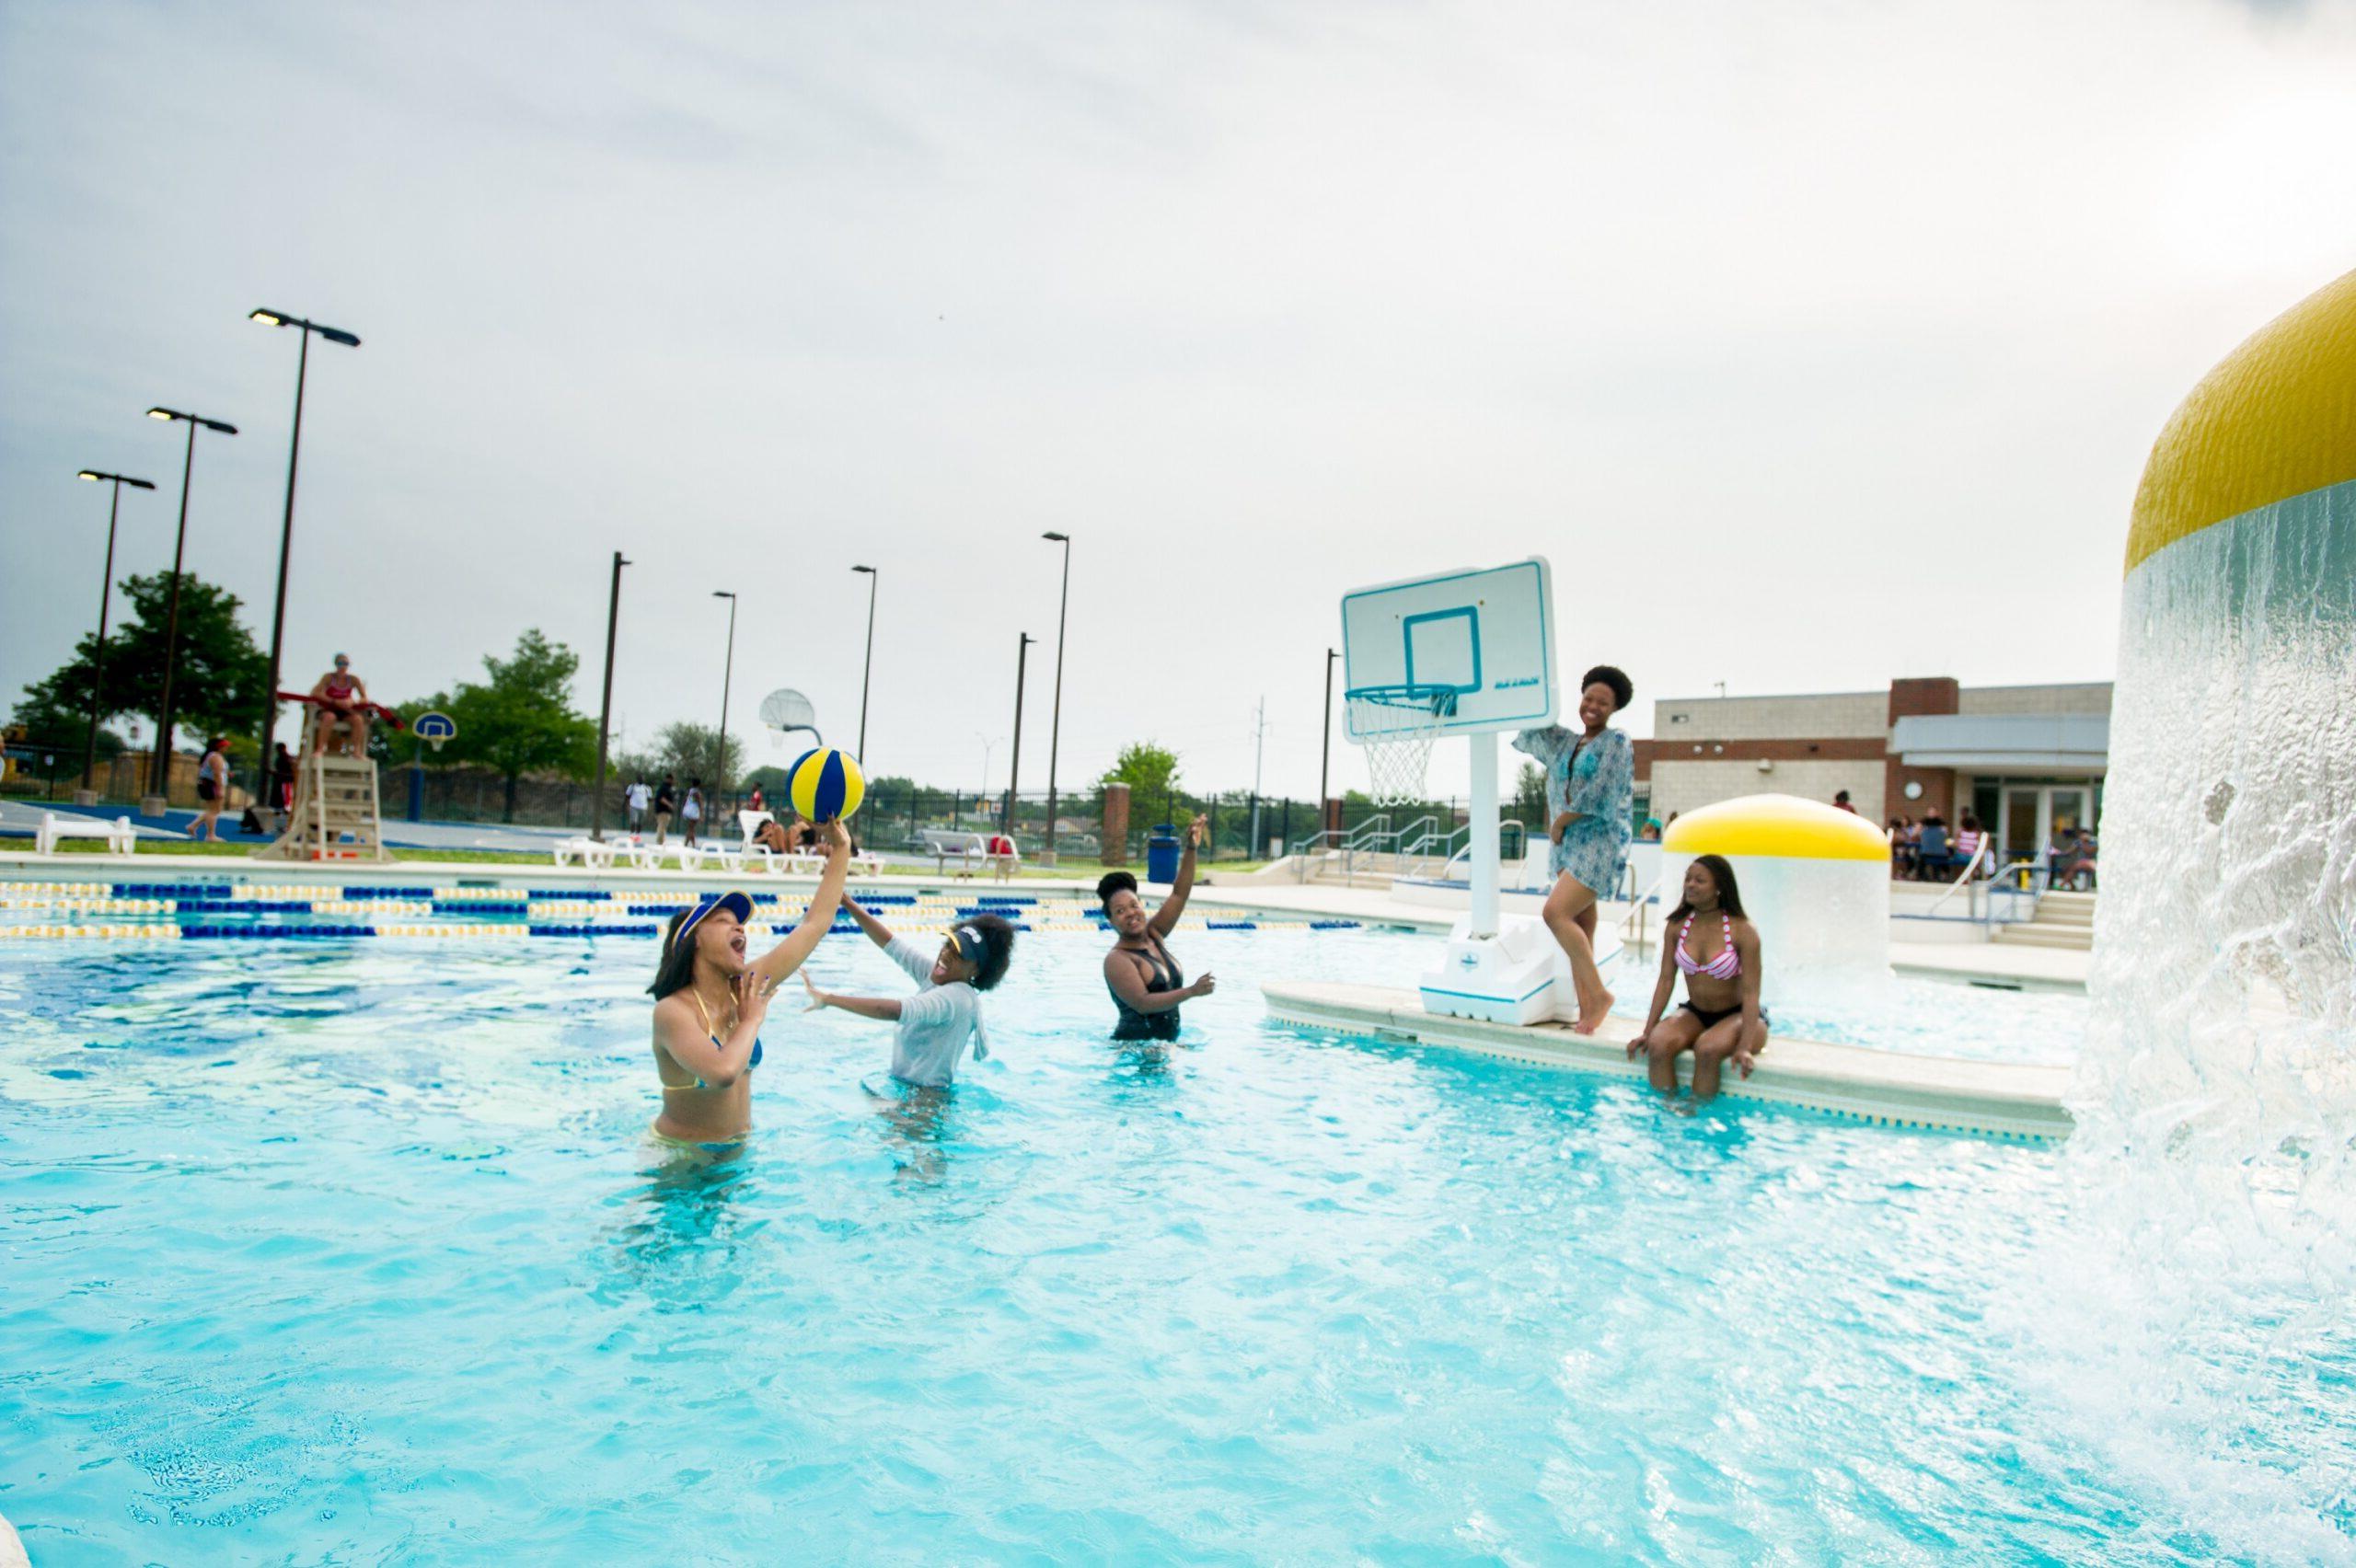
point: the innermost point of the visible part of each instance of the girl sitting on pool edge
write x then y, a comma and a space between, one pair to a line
935, 1023
709, 1004
1709, 942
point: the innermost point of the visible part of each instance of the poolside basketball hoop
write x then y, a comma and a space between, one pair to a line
1395, 726
785, 711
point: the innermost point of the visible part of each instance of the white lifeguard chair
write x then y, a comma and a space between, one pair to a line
334, 816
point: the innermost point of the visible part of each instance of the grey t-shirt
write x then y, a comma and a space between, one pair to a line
935, 1023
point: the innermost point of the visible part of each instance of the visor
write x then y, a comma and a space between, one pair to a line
970, 946
736, 903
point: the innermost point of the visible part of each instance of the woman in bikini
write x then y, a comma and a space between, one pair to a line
710, 1001
1707, 941
342, 695
1147, 984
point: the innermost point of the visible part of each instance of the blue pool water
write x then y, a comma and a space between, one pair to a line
356, 1251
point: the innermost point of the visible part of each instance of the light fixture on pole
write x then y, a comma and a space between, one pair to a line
727, 673
1014, 768
99, 662
606, 706
286, 529
1055, 723
159, 777
868, 671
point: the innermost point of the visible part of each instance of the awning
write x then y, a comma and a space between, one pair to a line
2069, 744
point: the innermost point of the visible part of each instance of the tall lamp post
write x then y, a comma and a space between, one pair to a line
1014, 768
1055, 723
605, 708
98, 665
866, 674
286, 529
1326, 746
159, 777
727, 673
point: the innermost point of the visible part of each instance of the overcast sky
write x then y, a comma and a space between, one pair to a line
1814, 343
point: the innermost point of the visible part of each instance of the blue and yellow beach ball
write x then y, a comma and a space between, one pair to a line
824, 785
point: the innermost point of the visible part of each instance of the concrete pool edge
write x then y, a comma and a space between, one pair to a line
1931, 1093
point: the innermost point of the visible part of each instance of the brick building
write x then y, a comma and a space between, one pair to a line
2024, 759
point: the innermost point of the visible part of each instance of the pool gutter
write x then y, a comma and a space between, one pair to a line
1991, 1099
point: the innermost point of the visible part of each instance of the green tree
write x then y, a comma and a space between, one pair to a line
520, 721
1529, 798
1150, 771
216, 690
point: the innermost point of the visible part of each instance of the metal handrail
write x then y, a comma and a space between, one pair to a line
1986, 851
1446, 868
1634, 936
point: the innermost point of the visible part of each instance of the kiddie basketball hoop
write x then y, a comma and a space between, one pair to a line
785, 711
1395, 726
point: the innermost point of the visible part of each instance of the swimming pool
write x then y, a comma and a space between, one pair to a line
357, 1249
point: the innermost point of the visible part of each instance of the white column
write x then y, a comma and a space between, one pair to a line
1485, 833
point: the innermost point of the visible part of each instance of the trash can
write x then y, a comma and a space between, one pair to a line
1161, 853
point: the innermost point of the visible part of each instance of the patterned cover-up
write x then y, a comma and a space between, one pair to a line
1600, 785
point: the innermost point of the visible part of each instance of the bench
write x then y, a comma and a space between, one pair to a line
942, 843
591, 854
121, 836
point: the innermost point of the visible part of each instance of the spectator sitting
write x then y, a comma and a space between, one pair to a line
1931, 852
1968, 841
1841, 802
1901, 847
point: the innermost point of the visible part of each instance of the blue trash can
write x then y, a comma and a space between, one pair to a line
1161, 853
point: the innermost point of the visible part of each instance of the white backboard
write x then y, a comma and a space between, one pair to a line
1488, 636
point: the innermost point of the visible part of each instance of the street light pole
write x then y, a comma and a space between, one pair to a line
286, 529
606, 706
1055, 723
1014, 768
159, 776
727, 673
99, 662
867, 673
1325, 747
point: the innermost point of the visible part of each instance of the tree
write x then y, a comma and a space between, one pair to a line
1150, 771
520, 721
1529, 798
217, 688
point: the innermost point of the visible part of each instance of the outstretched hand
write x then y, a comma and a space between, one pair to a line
1199, 830
837, 838
751, 998
818, 997
1205, 985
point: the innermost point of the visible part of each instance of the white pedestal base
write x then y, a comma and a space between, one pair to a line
1520, 976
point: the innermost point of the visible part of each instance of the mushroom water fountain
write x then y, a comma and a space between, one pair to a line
1814, 880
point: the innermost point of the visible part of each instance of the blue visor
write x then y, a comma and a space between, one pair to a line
736, 903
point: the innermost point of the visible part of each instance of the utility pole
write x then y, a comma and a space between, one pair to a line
1326, 748
605, 708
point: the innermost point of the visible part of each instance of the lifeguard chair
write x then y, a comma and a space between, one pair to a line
334, 815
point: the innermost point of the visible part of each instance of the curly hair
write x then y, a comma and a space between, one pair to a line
1624, 690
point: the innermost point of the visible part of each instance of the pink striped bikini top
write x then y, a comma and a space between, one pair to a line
1726, 967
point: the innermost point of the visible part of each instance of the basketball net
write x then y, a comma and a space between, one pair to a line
1395, 727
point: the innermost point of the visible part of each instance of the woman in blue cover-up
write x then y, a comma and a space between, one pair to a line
1591, 800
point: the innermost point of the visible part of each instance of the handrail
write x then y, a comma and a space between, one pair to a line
1447, 867
1983, 851
1634, 936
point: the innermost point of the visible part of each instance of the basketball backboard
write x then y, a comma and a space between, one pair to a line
1478, 646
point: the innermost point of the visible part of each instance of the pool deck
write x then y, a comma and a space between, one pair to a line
1932, 1094
1983, 964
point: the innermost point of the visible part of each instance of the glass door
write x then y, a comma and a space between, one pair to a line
2022, 832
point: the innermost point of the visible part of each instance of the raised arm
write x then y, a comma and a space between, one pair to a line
787, 956
885, 1009
1165, 920
877, 931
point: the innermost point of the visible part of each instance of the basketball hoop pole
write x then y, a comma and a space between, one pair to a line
1483, 842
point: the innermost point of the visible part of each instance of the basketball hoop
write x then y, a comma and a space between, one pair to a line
785, 711
1396, 726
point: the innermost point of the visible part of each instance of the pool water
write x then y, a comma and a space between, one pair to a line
358, 1251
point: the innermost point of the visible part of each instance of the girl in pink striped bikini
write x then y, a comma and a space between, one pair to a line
1707, 941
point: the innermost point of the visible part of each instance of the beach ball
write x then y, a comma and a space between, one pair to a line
824, 785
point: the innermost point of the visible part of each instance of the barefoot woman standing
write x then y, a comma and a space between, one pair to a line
1591, 799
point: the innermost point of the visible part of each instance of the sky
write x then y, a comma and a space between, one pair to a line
1813, 343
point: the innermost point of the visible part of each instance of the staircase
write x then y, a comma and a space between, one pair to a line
335, 801
2062, 920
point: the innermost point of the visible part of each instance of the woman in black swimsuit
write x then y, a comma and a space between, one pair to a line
1147, 986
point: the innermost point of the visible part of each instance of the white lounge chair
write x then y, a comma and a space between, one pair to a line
121, 836
591, 853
